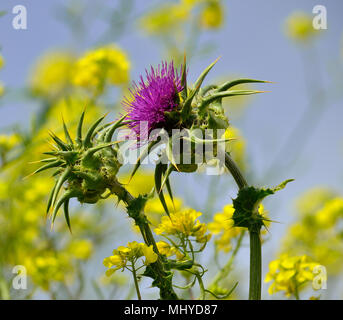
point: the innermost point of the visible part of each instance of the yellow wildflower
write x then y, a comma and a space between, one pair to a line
133, 251
166, 249
290, 274
81, 249
105, 65
8, 142
164, 18
212, 15
51, 74
299, 26
184, 222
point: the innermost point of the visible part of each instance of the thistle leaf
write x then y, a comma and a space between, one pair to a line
183, 93
66, 134
112, 129
48, 166
229, 84
230, 93
247, 202
159, 171
66, 214
79, 130
188, 102
65, 175
87, 141
144, 154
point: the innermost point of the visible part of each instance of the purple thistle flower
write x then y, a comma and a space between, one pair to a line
151, 99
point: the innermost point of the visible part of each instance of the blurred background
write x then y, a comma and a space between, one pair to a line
294, 130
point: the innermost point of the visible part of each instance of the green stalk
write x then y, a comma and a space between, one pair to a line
255, 282
161, 277
134, 274
255, 265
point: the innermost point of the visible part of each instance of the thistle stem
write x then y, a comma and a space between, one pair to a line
165, 286
134, 274
255, 265
255, 239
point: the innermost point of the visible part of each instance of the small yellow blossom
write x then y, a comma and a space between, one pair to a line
105, 65
299, 26
133, 251
165, 18
51, 73
184, 222
212, 15
81, 249
166, 249
290, 274
8, 142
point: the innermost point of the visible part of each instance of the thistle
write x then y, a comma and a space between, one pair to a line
85, 167
166, 102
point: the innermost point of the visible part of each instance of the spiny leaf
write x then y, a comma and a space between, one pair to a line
65, 175
113, 128
159, 171
91, 151
66, 214
166, 176
229, 84
48, 166
247, 202
87, 141
59, 142
188, 102
79, 130
184, 79
144, 154
64, 198
50, 199
66, 133
169, 153
230, 93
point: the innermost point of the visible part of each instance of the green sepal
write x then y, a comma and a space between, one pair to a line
187, 105
247, 203
229, 84
87, 142
79, 130
160, 170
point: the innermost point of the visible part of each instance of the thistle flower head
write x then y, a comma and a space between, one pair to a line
151, 99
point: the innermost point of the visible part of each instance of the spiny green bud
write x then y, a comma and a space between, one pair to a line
86, 167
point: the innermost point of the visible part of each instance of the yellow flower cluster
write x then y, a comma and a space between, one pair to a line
290, 274
184, 223
8, 142
222, 225
80, 249
170, 16
105, 65
49, 267
123, 255
50, 76
212, 15
166, 249
56, 71
318, 230
299, 26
